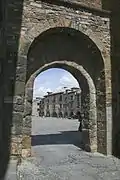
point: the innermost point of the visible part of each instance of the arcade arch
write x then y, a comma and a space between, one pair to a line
72, 50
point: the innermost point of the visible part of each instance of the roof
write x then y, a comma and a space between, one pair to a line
71, 90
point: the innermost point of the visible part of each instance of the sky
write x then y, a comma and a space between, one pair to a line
54, 80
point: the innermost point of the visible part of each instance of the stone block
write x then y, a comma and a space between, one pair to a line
17, 117
18, 108
19, 88
101, 134
26, 130
21, 74
94, 147
26, 142
29, 94
101, 125
27, 121
16, 145
16, 149
101, 146
26, 153
18, 100
17, 121
22, 61
28, 109
93, 134
16, 129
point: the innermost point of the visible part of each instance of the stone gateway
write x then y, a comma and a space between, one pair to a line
38, 35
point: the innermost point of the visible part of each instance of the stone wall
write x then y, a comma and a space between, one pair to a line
115, 61
10, 30
88, 3
38, 17
93, 4
10, 26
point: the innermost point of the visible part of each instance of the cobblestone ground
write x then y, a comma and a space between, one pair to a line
57, 156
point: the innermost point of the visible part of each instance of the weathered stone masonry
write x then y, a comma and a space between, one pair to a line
37, 18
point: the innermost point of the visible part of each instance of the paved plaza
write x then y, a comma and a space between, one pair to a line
57, 155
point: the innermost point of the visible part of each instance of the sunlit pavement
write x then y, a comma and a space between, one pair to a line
57, 156
11, 173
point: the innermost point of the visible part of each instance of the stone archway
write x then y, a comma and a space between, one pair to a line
54, 114
66, 46
71, 114
60, 114
97, 30
66, 115
47, 114
80, 74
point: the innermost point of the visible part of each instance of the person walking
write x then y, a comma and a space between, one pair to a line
80, 120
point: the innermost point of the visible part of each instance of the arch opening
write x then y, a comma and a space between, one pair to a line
88, 103
72, 50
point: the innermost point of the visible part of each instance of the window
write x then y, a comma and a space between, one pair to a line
53, 106
47, 106
47, 101
66, 114
54, 99
71, 97
65, 99
71, 105
60, 106
60, 99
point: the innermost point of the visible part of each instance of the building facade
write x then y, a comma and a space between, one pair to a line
35, 106
61, 104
